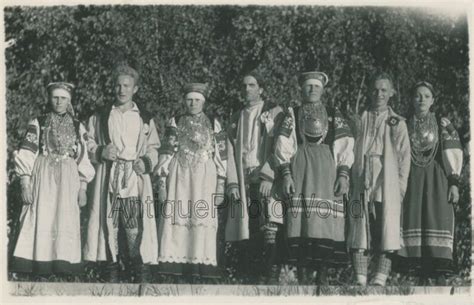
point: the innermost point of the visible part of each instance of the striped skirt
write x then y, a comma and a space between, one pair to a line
428, 218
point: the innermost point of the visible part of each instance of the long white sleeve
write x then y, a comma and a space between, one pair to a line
344, 151
452, 153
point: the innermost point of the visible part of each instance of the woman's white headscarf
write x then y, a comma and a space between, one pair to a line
65, 86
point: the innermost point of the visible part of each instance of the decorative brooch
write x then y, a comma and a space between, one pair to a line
393, 121
31, 137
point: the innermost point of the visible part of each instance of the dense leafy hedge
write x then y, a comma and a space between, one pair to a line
171, 45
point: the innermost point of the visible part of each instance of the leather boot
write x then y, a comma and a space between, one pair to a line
140, 272
112, 271
273, 277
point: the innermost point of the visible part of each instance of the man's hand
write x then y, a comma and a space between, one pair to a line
234, 193
288, 186
220, 189
265, 188
110, 152
341, 186
453, 194
82, 200
162, 191
26, 190
139, 167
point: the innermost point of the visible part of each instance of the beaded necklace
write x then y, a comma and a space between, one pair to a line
195, 139
60, 135
313, 121
424, 140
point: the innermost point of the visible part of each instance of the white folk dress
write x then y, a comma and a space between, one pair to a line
188, 218
54, 154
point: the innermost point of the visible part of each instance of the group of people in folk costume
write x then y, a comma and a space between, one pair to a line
298, 187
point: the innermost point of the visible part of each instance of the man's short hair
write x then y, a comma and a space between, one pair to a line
379, 76
126, 70
257, 74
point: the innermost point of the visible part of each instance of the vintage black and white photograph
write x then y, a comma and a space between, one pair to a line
239, 149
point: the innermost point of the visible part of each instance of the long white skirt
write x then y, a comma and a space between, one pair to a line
188, 220
50, 236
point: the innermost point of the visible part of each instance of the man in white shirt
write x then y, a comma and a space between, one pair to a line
123, 144
379, 181
252, 223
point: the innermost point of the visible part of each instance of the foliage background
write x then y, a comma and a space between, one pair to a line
171, 45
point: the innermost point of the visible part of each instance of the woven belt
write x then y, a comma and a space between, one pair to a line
120, 165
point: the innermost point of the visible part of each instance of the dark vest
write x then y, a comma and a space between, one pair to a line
235, 117
42, 124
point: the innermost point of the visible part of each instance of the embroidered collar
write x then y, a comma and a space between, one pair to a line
196, 116
378, 112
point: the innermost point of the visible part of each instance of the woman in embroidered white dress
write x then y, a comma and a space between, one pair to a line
191, 161
54, 169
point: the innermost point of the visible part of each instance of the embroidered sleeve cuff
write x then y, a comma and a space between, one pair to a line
33, 147
454, 179
148, 165
98, 153
450, 128
285, 169
343, 170
452, 144
343, 132
265, 177
232, 185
